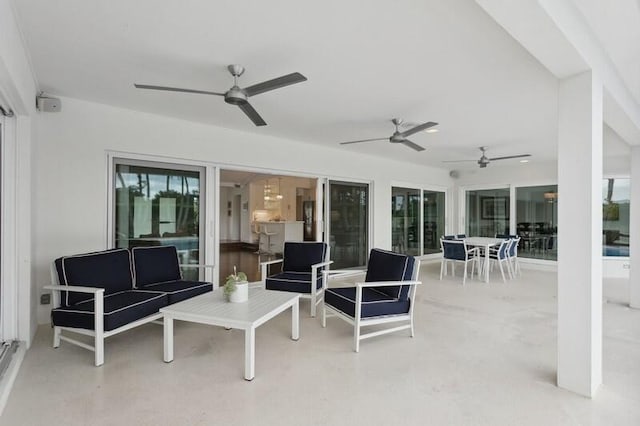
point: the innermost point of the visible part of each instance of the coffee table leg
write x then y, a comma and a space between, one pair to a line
249, 353
295, 320
168, 338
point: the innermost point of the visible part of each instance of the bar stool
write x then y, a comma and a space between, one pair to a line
267, 234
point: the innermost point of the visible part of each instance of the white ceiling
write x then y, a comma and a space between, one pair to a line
367, 61
616, 24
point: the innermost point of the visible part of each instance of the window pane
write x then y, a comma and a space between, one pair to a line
487, 212
536, 221
348, 224
615, 217
405, 221
158, 206
433, 220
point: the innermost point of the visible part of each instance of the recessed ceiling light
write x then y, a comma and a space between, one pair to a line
524, 161
432, 130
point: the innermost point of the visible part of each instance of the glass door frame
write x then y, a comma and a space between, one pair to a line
422, 189
209, 199
8, 237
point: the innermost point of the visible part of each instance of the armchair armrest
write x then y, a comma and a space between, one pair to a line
335, 273
321, 264
387, 283
264, 269
271, 262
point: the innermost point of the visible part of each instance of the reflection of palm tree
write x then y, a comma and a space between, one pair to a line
609, 190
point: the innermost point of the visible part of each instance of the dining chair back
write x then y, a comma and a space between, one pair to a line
457, 251
501, 256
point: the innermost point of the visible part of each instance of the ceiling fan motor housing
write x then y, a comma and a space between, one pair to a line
235, 96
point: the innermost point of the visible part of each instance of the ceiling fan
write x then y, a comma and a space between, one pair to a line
484, 160
237, 95
400, 137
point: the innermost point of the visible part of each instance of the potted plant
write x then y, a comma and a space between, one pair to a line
236, 287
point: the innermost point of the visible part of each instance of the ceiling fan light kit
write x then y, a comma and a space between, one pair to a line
398, 136
237, 95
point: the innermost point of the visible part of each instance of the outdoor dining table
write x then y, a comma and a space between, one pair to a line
486, 243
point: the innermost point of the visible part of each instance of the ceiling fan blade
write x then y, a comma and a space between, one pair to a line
276, 83
252, 114
459, 161
176, 89
412, 145
364, 140
418, 128
510, 156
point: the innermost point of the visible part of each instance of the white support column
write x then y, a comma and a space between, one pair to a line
634, 230
580, 234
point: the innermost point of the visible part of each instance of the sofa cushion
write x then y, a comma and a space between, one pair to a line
374, 302
389, 266
110, 269
299, 256
298, 282
153, 265
180, 290
119, 309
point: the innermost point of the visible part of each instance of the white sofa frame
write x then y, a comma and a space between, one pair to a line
98, 333
358, 322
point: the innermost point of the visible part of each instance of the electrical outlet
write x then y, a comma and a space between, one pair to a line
626, 266
45, 298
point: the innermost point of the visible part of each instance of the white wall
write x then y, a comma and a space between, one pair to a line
70, 170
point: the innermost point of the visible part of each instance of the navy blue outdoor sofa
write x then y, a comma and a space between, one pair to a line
104, 293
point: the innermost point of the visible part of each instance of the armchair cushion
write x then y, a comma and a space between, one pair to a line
374, 302
153, 265
299, 282
109, 269
389, 266
298, 257
180, 290
119, 309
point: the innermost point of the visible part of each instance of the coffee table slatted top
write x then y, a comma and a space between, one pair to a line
214, 307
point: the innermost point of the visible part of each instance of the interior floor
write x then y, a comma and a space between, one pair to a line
244, 257
483, 354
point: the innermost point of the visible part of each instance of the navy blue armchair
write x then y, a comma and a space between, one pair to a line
386, 296
302, 266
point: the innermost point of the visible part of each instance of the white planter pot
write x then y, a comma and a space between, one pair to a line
241, 294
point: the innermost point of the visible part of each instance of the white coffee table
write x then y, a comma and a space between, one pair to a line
212, 308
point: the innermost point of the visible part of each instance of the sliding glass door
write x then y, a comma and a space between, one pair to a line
160, 204
348, 221
537, 221
615, 217
433, 223
487, 212
405, 220
417, 220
